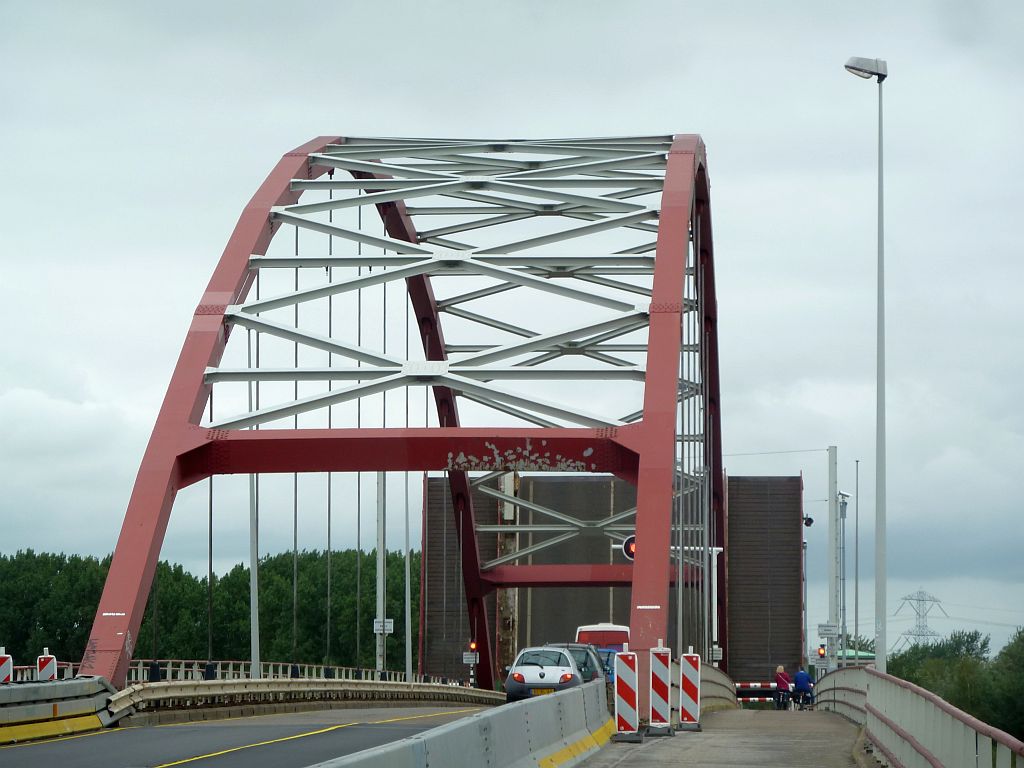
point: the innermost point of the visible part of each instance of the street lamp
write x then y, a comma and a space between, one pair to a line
868, 68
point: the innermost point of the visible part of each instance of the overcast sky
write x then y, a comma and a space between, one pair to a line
134, 133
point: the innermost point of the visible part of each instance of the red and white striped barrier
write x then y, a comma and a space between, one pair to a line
46, 666
627, 720
6, 666
689, 688
661, 683
754, 686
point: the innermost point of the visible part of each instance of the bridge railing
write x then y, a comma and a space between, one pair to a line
26, 673
913, 727
142, 671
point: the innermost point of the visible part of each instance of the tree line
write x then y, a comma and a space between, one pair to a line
49, 600
961, 670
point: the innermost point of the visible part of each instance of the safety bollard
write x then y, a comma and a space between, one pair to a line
6, 666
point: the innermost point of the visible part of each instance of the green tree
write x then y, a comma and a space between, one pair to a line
1008, 686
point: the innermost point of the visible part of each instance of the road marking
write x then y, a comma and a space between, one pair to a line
419, 717
257, 744
40, 742
308, 733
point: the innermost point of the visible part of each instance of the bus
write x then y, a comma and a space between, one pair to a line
608, 639
604, 635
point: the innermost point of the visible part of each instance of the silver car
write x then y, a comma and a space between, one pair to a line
538, 671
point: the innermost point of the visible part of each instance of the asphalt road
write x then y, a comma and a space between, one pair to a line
272, 741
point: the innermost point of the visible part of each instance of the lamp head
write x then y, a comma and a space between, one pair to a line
867, 68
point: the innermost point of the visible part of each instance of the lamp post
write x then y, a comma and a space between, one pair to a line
868, 68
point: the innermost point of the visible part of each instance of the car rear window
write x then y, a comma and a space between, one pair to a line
581, 656
544, 657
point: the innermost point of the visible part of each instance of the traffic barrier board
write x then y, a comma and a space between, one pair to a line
46, 666
627, 720
689, 688
661, 683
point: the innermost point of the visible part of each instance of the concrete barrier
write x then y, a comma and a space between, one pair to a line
44, 709
717, 689
559, 729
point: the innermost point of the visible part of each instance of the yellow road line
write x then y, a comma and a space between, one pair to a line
304, 735
419, 717
257, 744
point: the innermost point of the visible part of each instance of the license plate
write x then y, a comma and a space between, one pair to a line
542, 691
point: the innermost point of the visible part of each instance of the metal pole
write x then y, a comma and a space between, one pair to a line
856, 550
408, 551
295, 492
209, 560
880, 576
844, 641
833, 552
381, 566
254, 591
254, 555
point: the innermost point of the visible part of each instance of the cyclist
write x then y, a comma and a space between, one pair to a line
803, 689
782, 687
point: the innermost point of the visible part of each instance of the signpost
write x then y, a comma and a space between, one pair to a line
383, 626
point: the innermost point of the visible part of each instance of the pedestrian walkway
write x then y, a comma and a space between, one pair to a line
743, 738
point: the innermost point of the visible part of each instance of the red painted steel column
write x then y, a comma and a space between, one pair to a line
123, 602
648, 618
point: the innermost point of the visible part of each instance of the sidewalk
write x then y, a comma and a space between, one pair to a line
742, 738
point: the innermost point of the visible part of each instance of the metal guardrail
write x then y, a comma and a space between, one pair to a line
141, 671
189, 694
66, 670
913, 727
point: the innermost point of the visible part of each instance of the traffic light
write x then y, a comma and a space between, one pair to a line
821, 651
629, 547
472, 645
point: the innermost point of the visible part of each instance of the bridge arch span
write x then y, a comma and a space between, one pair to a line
575, 331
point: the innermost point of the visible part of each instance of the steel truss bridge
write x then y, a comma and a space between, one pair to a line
562, 293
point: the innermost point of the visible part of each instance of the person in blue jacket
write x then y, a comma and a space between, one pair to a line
803, 688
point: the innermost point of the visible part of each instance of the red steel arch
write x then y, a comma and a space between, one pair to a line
642, 451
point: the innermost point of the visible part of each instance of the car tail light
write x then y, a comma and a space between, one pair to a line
565, 678
518, 677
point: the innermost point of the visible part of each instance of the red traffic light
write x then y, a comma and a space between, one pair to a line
629, 547
821, 651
